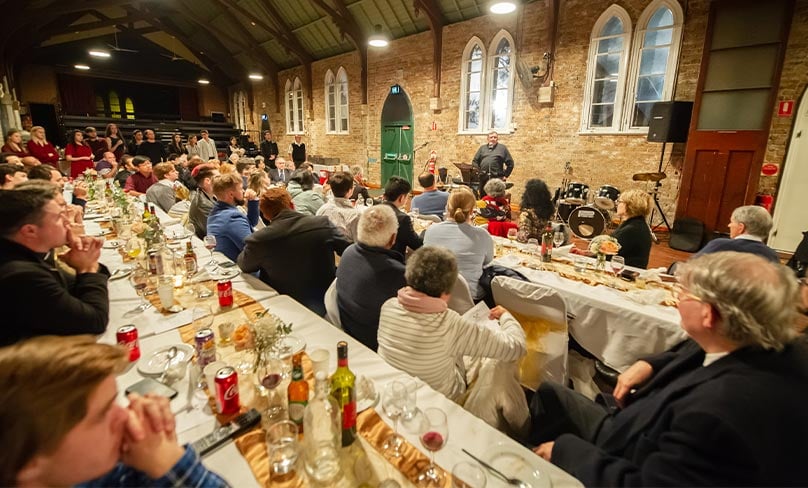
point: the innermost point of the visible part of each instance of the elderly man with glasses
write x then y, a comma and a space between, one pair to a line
725, 408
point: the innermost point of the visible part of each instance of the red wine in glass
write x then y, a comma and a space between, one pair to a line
271, 380
432, 441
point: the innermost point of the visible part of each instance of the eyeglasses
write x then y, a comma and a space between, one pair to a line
680, 294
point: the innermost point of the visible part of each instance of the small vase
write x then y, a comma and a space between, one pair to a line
601, 263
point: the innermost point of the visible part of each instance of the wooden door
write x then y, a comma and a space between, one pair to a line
740, 73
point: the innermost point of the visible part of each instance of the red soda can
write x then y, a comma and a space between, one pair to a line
225, 289
205, 347
227, 390
127, 336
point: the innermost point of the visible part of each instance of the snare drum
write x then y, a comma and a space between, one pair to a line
606, 197
587, 222
576, 193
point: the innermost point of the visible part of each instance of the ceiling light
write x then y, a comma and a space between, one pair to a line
99, 54
255, 76
378, 38
203, 81
500, 8
82, 67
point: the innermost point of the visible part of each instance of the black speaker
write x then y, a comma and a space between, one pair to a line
670, 121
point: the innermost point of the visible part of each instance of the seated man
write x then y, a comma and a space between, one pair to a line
281, 173
125, 170
37, 297
58, 407
11, 175
107, 166
46, 172
164, 193
396, 192
369, 260
226, 221
748, 226
202, 200
432, 201
294, 253
142, 179
340, 211
725, 408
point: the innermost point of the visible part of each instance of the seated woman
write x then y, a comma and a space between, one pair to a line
472, 246
537, 209
418, 334
633, 234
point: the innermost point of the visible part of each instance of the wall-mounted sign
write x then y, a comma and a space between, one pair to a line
785, 108
769, 169
395, 89
405, 127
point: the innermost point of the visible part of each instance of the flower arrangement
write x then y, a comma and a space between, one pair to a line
268, 330
604, 244
90, 175
152, 234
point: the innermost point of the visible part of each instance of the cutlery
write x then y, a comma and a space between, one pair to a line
172, 353
510, 481
189, 395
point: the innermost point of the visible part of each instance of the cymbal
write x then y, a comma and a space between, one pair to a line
649, 176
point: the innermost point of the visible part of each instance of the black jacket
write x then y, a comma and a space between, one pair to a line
634, 237
39, 299
360, 304
268, 149
294, 254
740, 421
406, 236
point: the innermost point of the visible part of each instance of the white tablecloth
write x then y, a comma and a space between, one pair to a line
465, 430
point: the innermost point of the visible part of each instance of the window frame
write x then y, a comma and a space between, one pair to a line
295, 106
339, 83
489, 53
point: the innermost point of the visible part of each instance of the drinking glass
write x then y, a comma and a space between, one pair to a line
434, 435
282, 446
411, 407
394, 401
210, 245
532, 245
139, 279
416, 212
202, 317
190, 230
467, 475
269, 376
512, 234
368, 202
135, 247
558, 239
618, 263
165, 290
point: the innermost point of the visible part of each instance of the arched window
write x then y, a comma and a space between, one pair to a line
130, 108
294, 106
114, 105
336, 102
486, 93
100, 109
653, 61
240, 109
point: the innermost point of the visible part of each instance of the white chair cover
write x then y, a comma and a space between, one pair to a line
543, 314
460, 299
431, 218
331, 307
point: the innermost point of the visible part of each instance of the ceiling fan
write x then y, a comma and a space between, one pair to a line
115, 47
174, 56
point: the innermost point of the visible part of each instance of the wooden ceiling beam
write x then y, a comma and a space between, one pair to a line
61, 8
436, 22
106, 22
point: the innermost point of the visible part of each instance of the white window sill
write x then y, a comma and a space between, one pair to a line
485, 133
643, 132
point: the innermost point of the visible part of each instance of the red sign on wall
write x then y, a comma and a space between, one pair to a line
769, 169
785, 108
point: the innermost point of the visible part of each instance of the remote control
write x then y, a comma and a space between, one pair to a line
220, 436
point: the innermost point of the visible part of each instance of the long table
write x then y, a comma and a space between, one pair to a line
465, 430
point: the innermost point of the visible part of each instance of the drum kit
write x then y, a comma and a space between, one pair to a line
587, 214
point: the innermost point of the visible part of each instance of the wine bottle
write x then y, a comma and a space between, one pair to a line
298, 392
190, 260
547, 243
343, 391
323, 439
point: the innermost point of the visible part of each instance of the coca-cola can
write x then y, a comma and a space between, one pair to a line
127, 336
227, 401
205, 347
155, 263
225, 289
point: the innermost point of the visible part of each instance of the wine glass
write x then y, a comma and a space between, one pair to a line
202, 317
532, 245
210, 245
416, 212
512, 234
467, 475
558, 239
134, 247
368, 202
618, 263
189, 230
434, 434
139, 279
270, 376
394, 402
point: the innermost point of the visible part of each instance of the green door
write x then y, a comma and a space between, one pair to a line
397, 136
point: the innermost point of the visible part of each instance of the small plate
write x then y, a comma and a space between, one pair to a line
518, 462
179, 237
175, 309
291, 345
101, 233
154, 363
94, 216
224, 274
113, 244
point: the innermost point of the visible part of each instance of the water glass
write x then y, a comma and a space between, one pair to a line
165, 290
411, 406
618, 263
580, 265
558, 239
533, 246
468, 475
283, 447
319, 361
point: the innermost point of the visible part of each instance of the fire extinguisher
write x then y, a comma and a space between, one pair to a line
765, 201
431, 163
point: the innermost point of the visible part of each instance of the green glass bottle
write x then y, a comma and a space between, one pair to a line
343, 391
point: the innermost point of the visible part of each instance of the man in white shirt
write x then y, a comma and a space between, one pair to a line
207, 147
340, 211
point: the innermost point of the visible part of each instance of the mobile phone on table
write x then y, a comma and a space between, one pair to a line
150, 385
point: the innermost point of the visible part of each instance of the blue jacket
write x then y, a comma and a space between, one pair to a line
231, 227
740, 245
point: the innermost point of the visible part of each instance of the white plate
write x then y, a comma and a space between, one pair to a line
179, 237
291, 345
154, 363
517, 462
113, 244
225, 273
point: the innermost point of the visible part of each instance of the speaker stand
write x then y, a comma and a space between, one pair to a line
658, 206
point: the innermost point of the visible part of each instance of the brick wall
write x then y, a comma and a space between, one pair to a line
545, 136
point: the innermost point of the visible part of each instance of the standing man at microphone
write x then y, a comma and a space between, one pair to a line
492, 160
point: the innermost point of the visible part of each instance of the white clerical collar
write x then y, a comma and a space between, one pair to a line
712, 357
749, 237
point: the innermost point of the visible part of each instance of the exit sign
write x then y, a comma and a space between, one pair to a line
395, 89
785, 108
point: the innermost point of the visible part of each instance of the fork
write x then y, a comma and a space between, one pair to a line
498, 473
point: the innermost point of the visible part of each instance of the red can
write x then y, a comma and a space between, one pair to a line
127, 336
227, 391
225, 289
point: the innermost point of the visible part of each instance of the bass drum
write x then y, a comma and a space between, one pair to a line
587, 222
564, 210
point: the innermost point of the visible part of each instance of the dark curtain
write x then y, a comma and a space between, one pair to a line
189, 104
77, 94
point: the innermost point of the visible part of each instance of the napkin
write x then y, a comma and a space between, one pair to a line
160, 323
509, 260
563, 250
646, 297
653, 274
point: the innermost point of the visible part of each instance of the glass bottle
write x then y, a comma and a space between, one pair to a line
323, 426
547, 243
298, 393
342, 389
